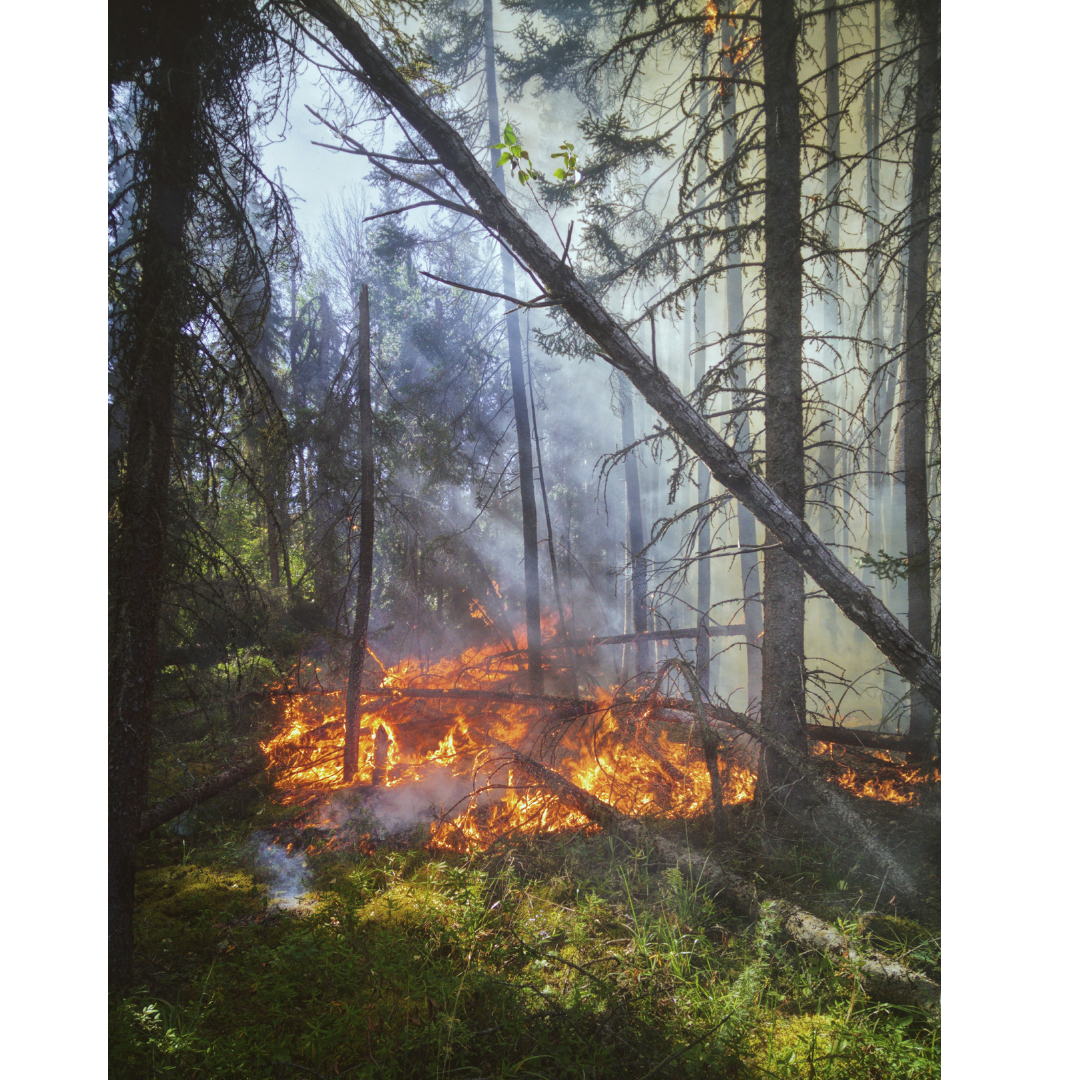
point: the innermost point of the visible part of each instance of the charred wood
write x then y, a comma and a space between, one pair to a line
881, 977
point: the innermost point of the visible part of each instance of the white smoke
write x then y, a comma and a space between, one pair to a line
287, 873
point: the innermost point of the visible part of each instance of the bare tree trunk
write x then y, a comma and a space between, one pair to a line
704, 480
831, 301
635, 531
161, 309
517, 382
366, 555
783, 705
916, 503
877, 389
616, 347
748, 559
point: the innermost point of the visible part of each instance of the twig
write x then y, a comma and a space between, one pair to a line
539, 302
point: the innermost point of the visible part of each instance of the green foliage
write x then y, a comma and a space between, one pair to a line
514, 154
890, 568
550, 959
569, 168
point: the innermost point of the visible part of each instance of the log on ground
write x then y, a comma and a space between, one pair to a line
881, 977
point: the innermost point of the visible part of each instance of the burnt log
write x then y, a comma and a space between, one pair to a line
881, 977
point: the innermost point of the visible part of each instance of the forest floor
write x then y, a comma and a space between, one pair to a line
551, 956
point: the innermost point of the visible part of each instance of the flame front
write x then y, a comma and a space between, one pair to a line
641, 766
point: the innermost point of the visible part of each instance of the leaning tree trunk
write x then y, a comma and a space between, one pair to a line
783, 705
160, 311
614, 346
366, 555
517, 382
748, 558
916, 502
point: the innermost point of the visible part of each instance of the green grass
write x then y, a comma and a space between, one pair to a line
550, 958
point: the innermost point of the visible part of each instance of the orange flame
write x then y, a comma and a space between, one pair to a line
639, 765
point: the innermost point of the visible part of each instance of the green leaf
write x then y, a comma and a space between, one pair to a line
522, 177
560, 174
503, 160
509, 136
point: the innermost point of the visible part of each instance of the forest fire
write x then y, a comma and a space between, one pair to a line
428, 754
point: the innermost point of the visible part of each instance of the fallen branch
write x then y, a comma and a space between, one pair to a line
881, 977
165, 811
868, 740
837, 801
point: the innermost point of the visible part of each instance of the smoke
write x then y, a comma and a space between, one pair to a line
381, 812
287, 874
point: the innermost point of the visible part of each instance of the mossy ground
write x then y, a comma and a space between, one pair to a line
551, 957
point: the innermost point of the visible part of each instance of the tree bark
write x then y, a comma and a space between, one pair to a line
916, 502
160, 310
517, 383
617, 348
366, 555
783, 705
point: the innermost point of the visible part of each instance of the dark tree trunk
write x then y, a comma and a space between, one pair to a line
616, 347
160, 310
783, 705
916, 502
517, 382
366, 555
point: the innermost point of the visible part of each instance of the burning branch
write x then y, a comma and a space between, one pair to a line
882, 978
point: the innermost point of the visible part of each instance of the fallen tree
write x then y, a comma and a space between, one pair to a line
165, 811
562, 286
881, 977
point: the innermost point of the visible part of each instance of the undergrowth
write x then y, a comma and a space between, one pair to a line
555, 958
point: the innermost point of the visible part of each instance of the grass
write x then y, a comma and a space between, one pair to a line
557, 957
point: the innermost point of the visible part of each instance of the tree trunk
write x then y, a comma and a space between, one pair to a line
748, 559
616, 347
878, 416
517, 382
703, 651
161, 309
831, 300
635, 533
366, 559
783, 705
916, 503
